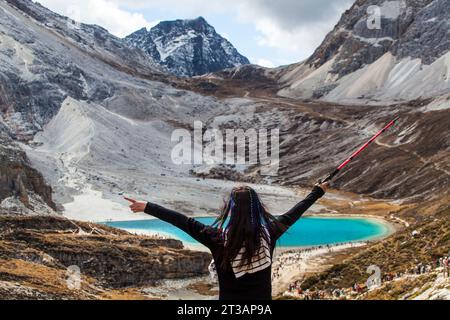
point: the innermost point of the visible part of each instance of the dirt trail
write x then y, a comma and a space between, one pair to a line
418, 156
300, 106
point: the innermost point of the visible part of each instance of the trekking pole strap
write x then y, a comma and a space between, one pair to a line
330, 176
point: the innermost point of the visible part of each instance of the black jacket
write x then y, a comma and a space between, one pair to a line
257, 286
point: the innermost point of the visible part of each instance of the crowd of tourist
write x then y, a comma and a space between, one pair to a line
295, 289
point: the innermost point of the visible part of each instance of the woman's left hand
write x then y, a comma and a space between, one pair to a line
325, 186
136, 206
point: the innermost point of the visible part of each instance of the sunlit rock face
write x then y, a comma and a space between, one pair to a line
379, 51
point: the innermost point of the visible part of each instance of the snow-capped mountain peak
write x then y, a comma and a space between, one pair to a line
187, 47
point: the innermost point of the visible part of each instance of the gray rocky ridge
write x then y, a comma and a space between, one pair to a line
187, 47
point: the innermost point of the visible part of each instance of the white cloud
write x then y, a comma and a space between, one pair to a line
289, 14
299, 41
293, 28
105, 13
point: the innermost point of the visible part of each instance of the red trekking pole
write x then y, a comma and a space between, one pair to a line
353, 156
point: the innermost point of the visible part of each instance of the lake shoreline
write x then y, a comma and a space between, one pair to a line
388, 229
314, 258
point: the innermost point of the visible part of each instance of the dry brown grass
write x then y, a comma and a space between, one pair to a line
395, 290
46, 281
204, 288
354, 206
124, 295
35, 253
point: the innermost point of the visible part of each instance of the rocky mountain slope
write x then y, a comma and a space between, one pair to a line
99, 124
22, 188
379, 52
37, 252
411, 161
97, 89
187, 47
44, 59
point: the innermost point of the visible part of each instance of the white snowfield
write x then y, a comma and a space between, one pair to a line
387, 80
174, 45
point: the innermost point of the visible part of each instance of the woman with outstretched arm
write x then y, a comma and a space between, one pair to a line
241, 241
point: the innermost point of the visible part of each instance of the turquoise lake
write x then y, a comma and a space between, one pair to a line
308, 231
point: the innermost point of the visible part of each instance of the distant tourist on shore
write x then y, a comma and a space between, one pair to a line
295, 289
444, 263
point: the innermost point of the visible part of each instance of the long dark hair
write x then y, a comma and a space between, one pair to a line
245, 221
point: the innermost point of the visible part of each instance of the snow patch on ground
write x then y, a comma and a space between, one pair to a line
175, 44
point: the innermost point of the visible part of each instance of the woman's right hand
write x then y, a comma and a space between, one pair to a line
136, 206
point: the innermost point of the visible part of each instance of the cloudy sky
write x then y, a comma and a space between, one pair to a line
268, 32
